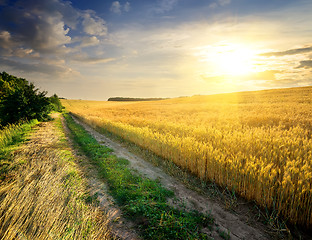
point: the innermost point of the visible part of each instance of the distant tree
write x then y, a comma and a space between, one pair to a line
20, 100
55, 103
128, 99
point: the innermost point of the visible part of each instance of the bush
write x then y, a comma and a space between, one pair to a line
20, 100
55, 103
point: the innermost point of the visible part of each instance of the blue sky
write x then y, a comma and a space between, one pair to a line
98, 49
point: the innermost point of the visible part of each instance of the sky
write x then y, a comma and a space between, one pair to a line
93, 50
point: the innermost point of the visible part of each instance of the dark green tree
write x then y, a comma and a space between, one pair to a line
20, 100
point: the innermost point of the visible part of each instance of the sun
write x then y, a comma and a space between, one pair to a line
228, 60
234, 61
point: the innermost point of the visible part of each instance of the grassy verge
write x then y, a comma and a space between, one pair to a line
11, 137
141, 199
48, 198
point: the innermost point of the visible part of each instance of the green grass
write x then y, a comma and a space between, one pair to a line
141, 199
12, 136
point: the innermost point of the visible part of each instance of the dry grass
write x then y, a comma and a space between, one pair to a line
47, 198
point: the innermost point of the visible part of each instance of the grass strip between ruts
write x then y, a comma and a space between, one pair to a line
141, 199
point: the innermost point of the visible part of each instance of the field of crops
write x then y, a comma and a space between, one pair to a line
257, 143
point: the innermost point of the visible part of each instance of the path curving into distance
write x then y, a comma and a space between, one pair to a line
224, 220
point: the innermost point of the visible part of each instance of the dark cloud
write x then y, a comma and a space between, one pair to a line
286, 82
31, 26
305, 64
39, 67
45, 30
288, 52
44, 25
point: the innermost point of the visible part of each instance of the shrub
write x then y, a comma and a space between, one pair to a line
20, 100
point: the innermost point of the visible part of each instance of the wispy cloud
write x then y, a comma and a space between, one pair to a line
268, 75
305, 64
127, 7
91, 60
118, 8
164, 6
87, 41
265, 75
219, 3
288, 52
224, 2
55, 68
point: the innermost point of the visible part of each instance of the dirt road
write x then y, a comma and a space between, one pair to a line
224, 221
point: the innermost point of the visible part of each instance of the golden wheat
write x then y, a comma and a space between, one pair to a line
257, 143
45, 197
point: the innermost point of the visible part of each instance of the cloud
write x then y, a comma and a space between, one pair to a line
287, 82
94, 25
288, 52
224, 2
85, 41
165, 6
127, 7
91, 60
89, 41
117, 7
5, 39
25, 53
265, 76
305, 64
44, 26
49, 68
38, 31
218, 3
27, 29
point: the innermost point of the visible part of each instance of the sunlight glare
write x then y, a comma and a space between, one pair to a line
229, 59
234, 62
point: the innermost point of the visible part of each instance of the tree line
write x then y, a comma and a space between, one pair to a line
128, 99
21, 100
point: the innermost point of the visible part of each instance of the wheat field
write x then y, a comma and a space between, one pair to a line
256, 143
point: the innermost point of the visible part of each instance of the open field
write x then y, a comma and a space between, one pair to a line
256, 143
